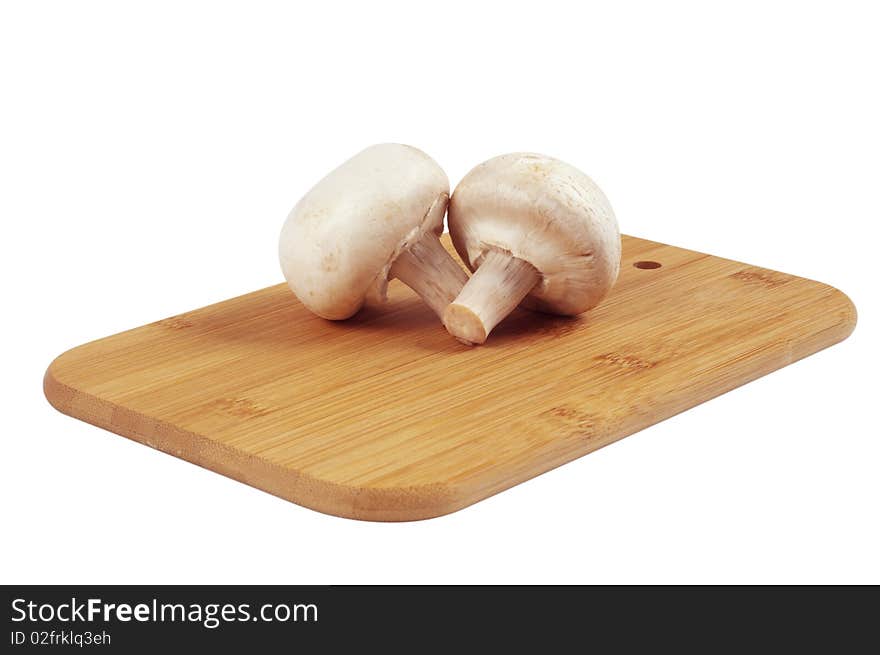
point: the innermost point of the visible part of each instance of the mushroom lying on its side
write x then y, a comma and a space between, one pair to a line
534, 228
376, 217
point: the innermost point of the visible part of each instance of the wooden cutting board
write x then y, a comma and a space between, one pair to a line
385, 417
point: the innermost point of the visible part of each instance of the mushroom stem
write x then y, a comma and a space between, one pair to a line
497, 287
427, 268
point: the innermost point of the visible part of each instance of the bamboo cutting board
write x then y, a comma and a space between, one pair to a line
385, 417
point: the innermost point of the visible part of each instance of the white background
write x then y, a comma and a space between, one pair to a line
150, 151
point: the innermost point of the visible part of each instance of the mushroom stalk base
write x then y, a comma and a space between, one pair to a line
427, 268
498, 286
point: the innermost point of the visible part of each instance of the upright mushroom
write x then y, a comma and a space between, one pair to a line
534, 228
377, 216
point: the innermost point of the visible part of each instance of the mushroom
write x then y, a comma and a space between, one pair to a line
377, 216
530, 227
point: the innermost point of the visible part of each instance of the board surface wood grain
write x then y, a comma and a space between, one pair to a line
386, 417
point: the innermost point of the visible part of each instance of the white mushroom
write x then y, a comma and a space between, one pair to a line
376, 217
534, 228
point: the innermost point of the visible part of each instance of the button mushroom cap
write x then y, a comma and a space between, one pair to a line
378, 215
548, 232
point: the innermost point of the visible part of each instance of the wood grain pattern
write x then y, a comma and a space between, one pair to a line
386, 417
